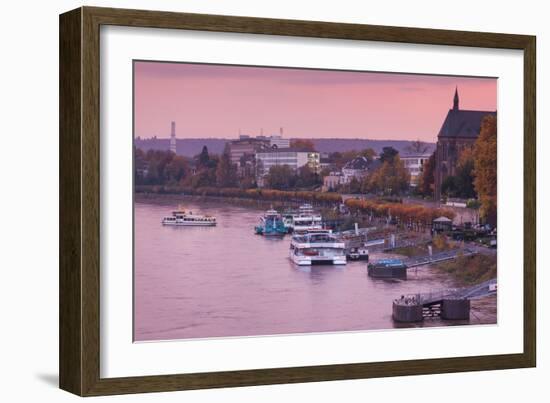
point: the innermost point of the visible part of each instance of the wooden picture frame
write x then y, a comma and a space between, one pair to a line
79, 278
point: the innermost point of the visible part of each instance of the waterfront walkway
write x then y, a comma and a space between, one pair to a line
438, 257
488, 287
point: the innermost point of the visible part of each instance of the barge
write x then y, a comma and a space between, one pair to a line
387, 268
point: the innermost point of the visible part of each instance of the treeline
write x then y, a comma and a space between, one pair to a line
318, 198
404, 213
161, 167
282, 177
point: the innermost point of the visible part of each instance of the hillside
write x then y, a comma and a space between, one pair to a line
191, 147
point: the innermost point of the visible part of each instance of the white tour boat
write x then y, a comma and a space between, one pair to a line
187, 218
306, 219
317, 247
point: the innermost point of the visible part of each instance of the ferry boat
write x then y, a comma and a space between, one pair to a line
181, 217
271, 224
317, 247
306, 219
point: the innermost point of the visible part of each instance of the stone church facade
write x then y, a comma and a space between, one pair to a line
460, 130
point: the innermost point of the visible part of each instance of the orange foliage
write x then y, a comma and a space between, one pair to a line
404, 212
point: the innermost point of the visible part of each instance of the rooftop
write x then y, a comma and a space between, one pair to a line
463, 123
362, 163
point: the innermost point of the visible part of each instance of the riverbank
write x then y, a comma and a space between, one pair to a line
173, 198
414, 217
470, 270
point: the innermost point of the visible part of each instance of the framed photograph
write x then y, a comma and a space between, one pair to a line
248, 201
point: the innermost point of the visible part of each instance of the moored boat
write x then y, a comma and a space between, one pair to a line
358, 253
387, 268
271, 224
317, 247
183, 218
305, 219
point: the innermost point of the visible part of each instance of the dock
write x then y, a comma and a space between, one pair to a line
451, 304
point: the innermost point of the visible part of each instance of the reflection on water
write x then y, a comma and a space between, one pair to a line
196, 282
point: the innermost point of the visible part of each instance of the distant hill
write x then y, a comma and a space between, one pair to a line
192, 147
336, 144
186, 147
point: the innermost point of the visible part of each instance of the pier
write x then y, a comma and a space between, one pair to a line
438, 257
451, 304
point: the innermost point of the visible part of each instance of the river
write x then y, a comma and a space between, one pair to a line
199, 282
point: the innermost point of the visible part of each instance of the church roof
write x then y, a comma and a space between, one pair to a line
463, 123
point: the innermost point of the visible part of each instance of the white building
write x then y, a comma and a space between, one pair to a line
414, 163
279, 142
265, 159
173, 138
358, 168
332, 181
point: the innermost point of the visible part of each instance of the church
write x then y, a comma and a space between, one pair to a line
460, 130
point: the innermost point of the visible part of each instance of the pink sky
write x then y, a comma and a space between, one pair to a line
220, 100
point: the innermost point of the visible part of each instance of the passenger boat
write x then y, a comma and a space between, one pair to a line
317, 247
271, 224
358, 253
387, 268
305, 219
181, 217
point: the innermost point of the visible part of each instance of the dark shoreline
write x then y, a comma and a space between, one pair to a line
241, 201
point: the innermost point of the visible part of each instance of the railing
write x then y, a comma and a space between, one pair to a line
438, 257
429, 298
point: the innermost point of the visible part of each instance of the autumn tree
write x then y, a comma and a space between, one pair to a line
302, 144
485, 168
280, 177
427, 180
368, 153
176, 170
391, 178
226, 171
307, 177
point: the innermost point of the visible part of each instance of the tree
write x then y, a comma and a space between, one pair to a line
226, 172
354, 186
465, 174
388, 154
176, 169
427, 180
203, 157
485, 168
280, 177
368, 153
307, 177
417, 147
391, 178
449, 186
302, 144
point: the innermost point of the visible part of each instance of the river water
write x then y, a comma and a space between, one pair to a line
198, 282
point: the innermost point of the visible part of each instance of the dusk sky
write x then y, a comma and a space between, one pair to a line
219, 100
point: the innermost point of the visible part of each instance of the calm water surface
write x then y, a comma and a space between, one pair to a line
196, 282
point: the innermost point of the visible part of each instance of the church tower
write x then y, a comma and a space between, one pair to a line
455, 100
173, 138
